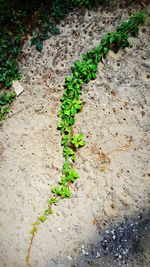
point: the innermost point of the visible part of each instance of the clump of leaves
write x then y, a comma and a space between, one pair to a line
61, 191
5, 100
38, 37
36, 18
78, 141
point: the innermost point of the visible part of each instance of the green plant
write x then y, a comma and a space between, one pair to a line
82, 72
5, 100
36, 18
38, 36
78, 141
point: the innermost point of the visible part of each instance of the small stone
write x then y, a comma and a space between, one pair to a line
144, 57
38, 109
59, 230
83, 251
69, 258
114, 237
146, 64
82, 246
98, 255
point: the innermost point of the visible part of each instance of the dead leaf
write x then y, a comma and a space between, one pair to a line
94, 221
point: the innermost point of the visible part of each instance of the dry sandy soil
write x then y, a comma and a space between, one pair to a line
106, 222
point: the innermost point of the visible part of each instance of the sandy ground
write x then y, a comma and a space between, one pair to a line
106, 222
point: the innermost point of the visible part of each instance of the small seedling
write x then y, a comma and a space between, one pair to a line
52, 201
67, 152
65, 141
61, 191
78, 141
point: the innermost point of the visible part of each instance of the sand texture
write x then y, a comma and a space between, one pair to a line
114, 186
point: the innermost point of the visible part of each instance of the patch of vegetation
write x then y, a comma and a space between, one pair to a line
39, 19
82, 72
17, 20
5, 100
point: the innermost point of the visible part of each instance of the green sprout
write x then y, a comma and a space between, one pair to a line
78, 141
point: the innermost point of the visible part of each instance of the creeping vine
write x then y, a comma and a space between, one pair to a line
82, 72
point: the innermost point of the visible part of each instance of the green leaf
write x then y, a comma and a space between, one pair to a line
65, 139
34, 229
52, 201
56, 190
76, 74
60, 113
66, 167
64, 126
94, 75
89, 76
39, 46
54, 30
73, 111
63, 180
48, 211
112, 39
82, 143
78, 141
34, 41
67, 151
43, 218
80, 137
65, 192
92, 66
35, 34
72, 120
69, 78
70, 86
67, 112
74, 158
105, 50
68, 129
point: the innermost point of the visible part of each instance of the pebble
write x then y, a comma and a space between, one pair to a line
114, 237
83, 251
98, 255
59, 230
69, 258
146, 64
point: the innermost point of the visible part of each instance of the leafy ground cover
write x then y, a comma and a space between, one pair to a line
5, 100
36, 18
17, 20
39, 19
82, 72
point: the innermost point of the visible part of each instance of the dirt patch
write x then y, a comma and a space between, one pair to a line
113, 166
